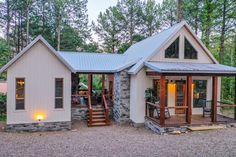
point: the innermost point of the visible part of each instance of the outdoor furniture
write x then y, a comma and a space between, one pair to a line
206, 106
167, 112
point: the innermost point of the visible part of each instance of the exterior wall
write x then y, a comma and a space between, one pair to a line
121, 108
39, 67
202, 56
139, 83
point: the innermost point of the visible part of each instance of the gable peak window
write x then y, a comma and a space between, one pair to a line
189, 50
173, 50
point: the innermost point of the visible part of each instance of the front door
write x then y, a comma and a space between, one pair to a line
180, 97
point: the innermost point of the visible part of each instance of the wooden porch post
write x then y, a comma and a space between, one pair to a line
189, 99
90, 84
103, 84
162, 100
235, 98
214, 99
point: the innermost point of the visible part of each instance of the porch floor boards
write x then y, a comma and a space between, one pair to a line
180, 120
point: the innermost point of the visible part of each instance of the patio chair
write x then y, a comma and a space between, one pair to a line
206, 106
167, 112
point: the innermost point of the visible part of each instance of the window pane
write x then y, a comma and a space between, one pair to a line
189, 51
199, 94
59, 103
173, 50
20, 93
58, 93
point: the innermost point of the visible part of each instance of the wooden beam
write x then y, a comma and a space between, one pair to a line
103, 84
214, 99
189, 99
162, 100
89, 84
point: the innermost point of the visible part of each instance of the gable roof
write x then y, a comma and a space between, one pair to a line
39, 38
147, 48
97, 62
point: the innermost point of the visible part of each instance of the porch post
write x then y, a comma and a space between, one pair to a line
235, 98
214, 99
90, 84
189, 99
162, 100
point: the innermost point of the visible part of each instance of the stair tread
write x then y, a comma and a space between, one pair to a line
98, 116
98, 120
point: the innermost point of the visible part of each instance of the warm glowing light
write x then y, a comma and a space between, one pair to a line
171, 86
39, 117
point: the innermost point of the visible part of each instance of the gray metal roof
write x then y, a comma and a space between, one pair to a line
97, 62
177, 67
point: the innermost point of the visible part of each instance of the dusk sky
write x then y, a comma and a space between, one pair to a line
96, 6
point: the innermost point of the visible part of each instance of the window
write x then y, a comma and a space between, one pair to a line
173, 50
20, 93
189, 51
59, 93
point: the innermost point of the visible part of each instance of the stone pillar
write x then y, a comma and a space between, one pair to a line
121, 108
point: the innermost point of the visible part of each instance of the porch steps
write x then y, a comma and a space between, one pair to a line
206, 127
98, 117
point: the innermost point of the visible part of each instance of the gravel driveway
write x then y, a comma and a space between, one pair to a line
118, 141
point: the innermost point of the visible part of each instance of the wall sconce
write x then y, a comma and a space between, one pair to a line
39, 117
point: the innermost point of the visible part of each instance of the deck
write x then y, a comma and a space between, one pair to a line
180, 120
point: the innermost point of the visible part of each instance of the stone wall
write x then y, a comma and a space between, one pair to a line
79, 113
41, 126
121, 108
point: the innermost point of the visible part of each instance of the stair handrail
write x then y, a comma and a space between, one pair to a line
90, 109
106, 108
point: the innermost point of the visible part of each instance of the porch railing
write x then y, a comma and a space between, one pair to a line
90, 109
106, 108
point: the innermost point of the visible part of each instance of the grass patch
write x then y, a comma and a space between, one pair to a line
3, 117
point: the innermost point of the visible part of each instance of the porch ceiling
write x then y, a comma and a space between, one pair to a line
190, 68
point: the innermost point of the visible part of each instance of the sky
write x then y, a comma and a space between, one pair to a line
96, 6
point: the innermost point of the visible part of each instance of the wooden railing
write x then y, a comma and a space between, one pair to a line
106, 108
90, 109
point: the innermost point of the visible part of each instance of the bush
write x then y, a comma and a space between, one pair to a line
3, 100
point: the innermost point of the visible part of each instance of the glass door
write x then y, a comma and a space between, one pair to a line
180, 96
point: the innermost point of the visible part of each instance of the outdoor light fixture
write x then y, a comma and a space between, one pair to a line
39, 117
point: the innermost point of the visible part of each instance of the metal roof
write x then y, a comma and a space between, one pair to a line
177, 67
97, 62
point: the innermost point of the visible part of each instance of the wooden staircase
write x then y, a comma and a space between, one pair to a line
99, 115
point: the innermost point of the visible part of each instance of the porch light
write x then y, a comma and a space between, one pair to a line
39, 117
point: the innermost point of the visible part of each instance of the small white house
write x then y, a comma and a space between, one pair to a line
181, 73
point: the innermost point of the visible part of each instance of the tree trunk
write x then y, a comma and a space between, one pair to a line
222, 37
27, 24
8, 21
179, 10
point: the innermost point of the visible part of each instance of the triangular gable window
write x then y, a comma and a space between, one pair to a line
173, 50
189, 51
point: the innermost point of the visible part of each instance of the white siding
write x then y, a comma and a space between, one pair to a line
139, 83
39, 67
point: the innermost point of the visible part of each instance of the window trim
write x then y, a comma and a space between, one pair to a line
62, 93
185, 38
15, 93
178, 56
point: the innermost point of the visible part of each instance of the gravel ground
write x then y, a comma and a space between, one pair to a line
118, 141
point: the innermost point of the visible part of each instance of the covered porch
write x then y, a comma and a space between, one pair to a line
178, 100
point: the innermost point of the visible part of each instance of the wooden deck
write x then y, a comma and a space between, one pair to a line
180, 120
